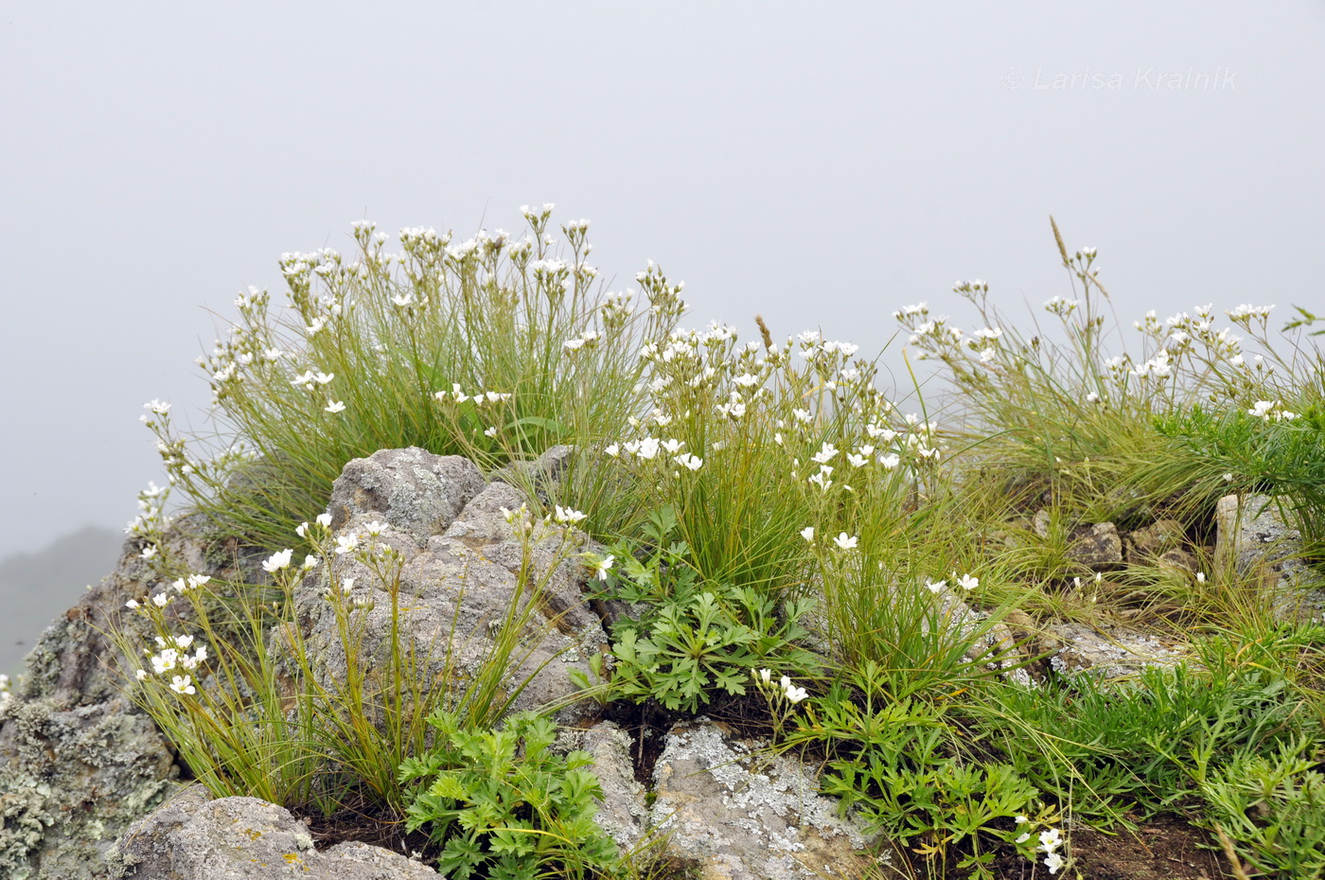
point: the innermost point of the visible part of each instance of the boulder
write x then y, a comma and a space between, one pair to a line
1255, 541
419, 494
192, 837
735, 811
78, 761
457, 572
1110, 651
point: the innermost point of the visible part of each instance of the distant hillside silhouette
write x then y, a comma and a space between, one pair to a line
36, 587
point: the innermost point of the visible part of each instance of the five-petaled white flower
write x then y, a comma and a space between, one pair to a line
335, 406
845, 541
182, 684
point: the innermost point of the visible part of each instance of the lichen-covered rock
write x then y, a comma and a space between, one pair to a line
1263, 549
78, 761
416, 492
622, 811
192, 837
1098, 547
1109, 652
739, 812
461, 572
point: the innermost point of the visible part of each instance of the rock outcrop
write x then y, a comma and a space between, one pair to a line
439, 560
193, 837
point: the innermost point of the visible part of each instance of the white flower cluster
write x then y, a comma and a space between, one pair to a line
1158, 367
967, 582
790, 692
587, 339
163, 598
651, 448
173, 654
1060, 306
1246, 313
151, 518
1270, 411
480, 398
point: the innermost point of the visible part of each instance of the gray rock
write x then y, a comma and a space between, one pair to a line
418, 493
739, 812
192, 837
78, 761
454, 594
1097, 547
622, 812
1109, 652
1261, 548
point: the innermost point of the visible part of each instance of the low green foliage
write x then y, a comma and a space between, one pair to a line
694, 639
898, 764
502, 805
1272, 808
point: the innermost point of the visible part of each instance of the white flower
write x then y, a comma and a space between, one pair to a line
182, 684
825, 454
1053, 861
157, 407
310, 562
935, 586
808, 533
374, 528
672, 447
141, 675
791, 692
600, 567
845, 541
745, 380
346, 544
490, 432
278, 561
889, 461
648, 448
324, 520
568, 516
165, 661
148, 552
335, 406
161, 600
685, 459
967, 582
1050, 840
613, 450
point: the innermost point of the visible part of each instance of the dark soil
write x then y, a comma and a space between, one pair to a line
1166, 848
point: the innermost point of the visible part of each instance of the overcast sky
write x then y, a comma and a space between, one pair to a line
823, 164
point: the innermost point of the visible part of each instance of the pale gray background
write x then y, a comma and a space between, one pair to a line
821, 163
